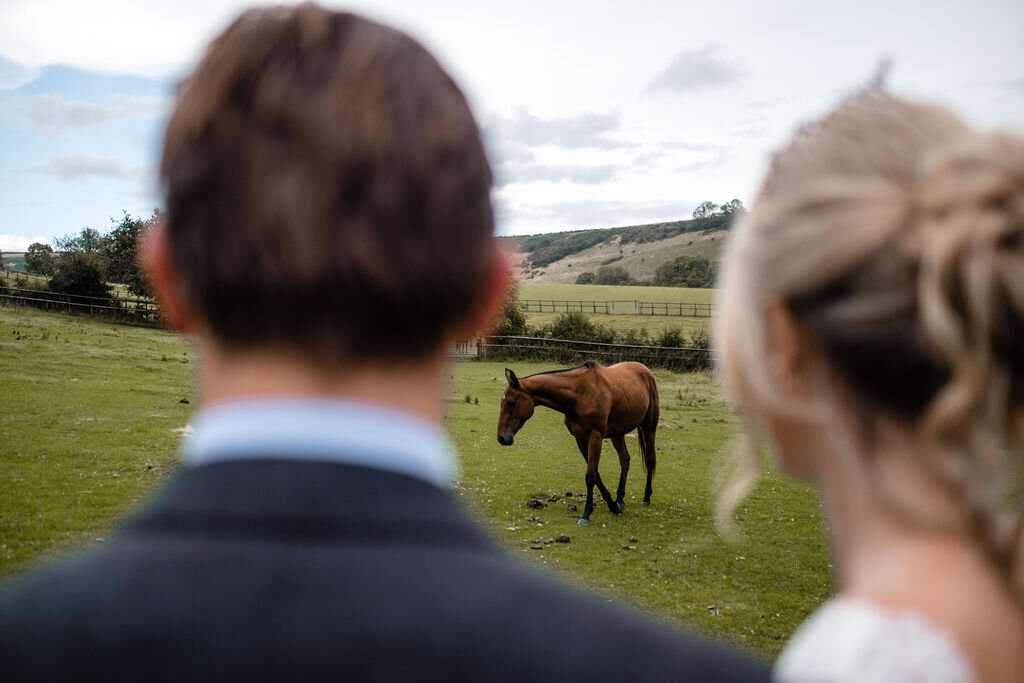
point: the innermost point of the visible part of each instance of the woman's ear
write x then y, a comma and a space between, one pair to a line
158, 265
789, 353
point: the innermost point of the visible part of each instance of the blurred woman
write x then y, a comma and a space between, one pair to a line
871, 327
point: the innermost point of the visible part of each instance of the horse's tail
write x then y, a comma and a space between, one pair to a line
650, 422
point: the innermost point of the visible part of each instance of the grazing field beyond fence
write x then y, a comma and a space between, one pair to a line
621, 308
93, 416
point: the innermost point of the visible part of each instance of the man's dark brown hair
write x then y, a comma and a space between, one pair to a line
327, 190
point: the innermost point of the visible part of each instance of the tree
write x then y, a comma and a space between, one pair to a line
612, 275
120, 252
685, 271
89, 241
585, 278
39, 259
706, 210
79, 273
733, 207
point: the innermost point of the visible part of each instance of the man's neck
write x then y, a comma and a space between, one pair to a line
415, 387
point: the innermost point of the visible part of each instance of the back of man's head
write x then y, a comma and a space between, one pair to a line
327, 190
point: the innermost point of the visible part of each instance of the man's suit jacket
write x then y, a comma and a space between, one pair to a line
277, 570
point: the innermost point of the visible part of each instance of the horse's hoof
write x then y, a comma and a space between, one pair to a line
583, 521
621, 504
646, 503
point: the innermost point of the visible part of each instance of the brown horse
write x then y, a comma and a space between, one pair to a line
598, 403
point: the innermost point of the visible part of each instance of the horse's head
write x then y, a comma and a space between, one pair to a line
516, 408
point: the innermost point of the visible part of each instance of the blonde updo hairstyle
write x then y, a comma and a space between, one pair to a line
894, 235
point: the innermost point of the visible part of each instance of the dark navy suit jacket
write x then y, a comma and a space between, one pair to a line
284, 570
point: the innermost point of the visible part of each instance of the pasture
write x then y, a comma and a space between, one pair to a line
91, 419
619, 322
88, 416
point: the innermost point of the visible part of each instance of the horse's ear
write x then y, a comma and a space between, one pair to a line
512, 379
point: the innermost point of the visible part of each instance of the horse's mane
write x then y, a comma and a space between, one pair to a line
588, 365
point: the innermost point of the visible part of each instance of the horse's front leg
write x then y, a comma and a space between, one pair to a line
591, 448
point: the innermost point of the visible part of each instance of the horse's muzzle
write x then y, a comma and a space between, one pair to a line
505, 440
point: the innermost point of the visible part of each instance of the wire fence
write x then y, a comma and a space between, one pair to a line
619, 307
566, 351
133, 311
145, 312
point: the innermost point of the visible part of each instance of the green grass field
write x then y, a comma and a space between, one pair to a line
87, 423
620, 322
89, 420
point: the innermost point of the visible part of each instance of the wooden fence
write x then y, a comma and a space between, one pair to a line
132, 311
684, 310
618, 307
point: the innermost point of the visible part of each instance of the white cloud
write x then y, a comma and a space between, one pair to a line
706, 163
52, 111
584, 131
512, 141
594, 213
19, 242
695, 69
532, 172
13, 74
81, 166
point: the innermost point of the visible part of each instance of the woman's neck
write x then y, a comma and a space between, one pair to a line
902, 540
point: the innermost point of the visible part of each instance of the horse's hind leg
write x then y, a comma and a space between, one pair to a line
620, 447
646, 433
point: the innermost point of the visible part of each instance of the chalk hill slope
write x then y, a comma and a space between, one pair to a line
560, 257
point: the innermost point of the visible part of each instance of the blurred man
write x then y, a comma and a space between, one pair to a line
329, 233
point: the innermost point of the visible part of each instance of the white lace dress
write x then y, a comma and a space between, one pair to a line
850, 640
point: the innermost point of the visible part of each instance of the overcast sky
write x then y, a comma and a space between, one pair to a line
596, 114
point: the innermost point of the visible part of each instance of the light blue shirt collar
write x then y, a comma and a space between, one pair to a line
320, 430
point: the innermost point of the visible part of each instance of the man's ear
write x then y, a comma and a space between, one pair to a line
492, 295
790, 353
158, 265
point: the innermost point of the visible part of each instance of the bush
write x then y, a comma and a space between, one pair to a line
685, 271
635, 337
670, 337
80, 274
612, 275
512, 321
585, 278
572, 325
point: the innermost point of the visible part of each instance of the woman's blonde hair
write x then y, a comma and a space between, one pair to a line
895, 236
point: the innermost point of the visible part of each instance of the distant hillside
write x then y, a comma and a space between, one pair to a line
560, 257
14, 260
